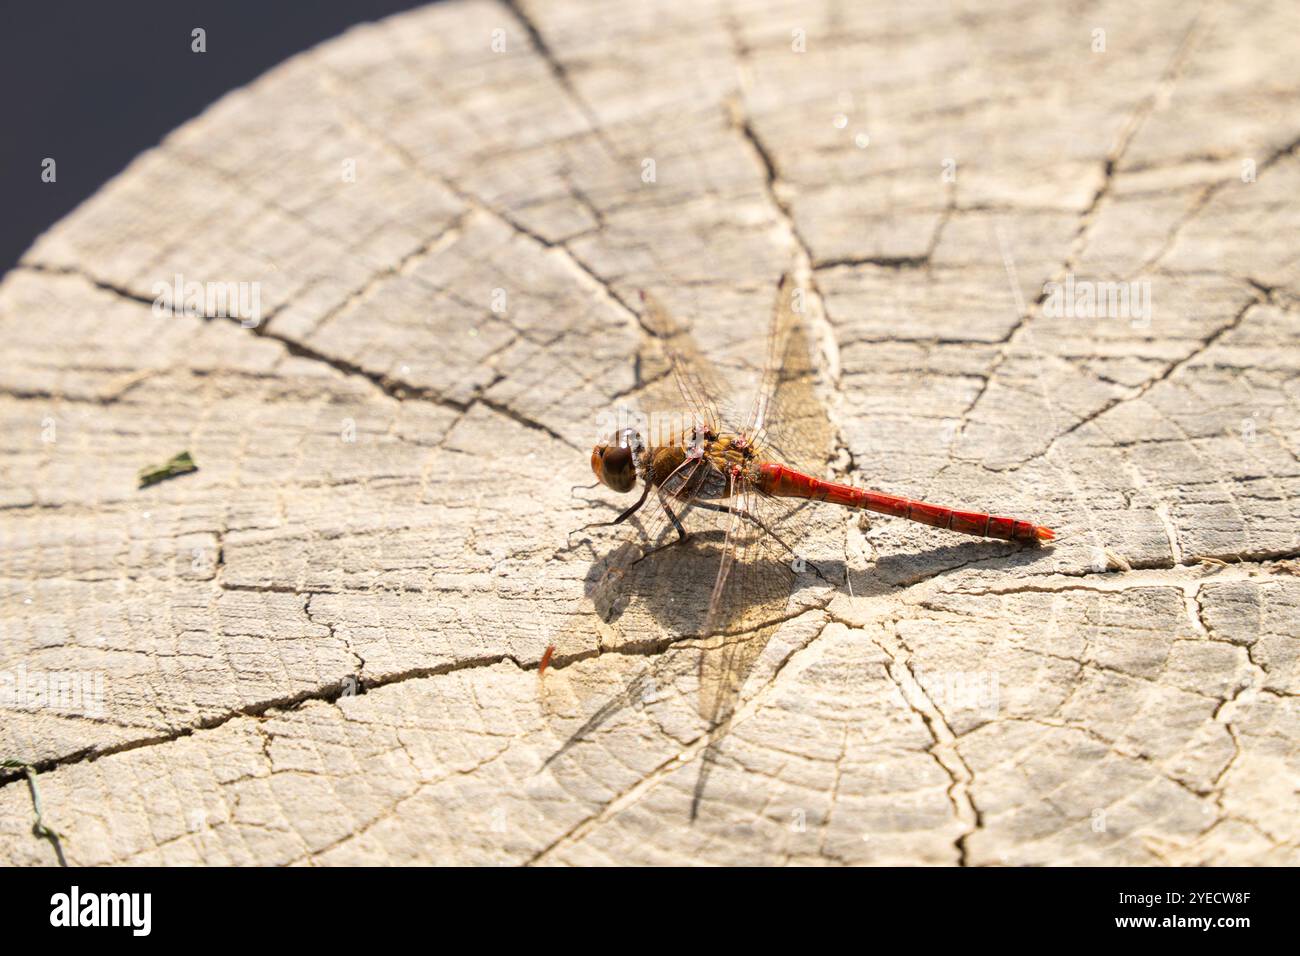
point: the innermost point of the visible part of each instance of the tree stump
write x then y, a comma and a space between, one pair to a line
1051, 265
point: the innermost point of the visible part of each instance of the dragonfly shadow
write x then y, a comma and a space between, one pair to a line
661, 608
668, 592
899, 570
669, 586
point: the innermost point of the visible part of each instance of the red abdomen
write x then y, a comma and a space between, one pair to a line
782, 482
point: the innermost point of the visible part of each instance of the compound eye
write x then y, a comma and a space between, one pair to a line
618, 466
614, 466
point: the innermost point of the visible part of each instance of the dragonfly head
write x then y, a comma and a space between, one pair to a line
614, 461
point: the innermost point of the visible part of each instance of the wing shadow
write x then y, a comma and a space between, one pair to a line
669, 594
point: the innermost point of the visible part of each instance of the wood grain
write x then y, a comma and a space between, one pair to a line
391, 460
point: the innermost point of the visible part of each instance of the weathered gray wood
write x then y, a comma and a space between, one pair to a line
1128, 696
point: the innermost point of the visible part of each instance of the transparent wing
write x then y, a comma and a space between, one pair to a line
759, 572
755, 555
679, 359
650, 597
787, 417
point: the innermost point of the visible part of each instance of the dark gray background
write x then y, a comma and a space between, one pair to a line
94, 83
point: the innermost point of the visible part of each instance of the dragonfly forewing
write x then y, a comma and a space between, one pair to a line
673, 355
788, 418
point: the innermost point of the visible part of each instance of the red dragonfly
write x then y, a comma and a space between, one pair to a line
738, 472
756, 479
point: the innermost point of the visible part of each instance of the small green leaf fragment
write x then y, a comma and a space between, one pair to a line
178, 465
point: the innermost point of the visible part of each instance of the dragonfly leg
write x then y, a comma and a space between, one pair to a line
620, 519
635, 508
677, 524
681, 531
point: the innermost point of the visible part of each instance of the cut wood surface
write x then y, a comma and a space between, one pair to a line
323, 646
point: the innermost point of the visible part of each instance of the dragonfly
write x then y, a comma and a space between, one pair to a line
752, 481
739, 471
